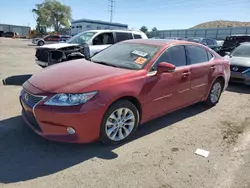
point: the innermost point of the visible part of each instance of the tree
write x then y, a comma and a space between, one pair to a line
154, 29
144, 29
52, 13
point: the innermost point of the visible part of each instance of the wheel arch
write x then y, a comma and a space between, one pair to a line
134, 100
221, 78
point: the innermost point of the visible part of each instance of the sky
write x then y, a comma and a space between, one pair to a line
162, 14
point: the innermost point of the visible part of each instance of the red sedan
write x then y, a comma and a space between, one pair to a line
125, 85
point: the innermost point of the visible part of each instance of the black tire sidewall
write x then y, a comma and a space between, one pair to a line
40, 43
120, 104
208, 101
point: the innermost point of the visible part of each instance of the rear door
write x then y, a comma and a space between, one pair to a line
201, 67
168, 91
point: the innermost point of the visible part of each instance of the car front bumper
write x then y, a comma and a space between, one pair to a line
240, 77
52, 122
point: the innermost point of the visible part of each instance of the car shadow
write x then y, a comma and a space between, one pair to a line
25, 155
238, 88
16, 80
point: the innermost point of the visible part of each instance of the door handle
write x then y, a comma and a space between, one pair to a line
185, 74
213, 67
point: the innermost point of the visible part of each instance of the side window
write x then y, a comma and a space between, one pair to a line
175, 55
196, 54
215, 42
137, 36
209, 55
204, 42
122, 36
210, 42
103, 39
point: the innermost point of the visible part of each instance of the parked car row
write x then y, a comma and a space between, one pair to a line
106, 95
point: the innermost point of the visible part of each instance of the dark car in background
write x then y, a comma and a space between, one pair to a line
11, 35
233, 41
211, 43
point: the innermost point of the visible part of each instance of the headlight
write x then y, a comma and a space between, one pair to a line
70, 99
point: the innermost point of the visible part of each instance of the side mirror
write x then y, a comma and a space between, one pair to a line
165, 67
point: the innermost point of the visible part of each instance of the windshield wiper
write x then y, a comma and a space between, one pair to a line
103, 63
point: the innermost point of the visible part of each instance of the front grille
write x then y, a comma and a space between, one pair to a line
29, 99
42, 54
238, 68
32, 120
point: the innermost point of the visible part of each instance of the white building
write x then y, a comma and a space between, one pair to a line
81, 25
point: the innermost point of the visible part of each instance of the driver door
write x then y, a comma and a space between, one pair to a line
101, 41
171, 90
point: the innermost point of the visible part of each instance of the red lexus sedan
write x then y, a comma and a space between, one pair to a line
124, 85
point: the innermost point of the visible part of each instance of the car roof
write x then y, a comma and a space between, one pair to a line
239, 35
159, 42
245, 43
110, 30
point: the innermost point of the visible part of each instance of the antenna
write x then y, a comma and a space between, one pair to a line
112, 7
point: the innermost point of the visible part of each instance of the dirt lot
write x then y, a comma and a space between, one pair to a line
161, 154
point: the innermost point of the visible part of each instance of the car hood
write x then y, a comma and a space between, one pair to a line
240, 61
58, 45
74, 76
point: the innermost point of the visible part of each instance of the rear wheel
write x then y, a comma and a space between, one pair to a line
215, 93
119, 122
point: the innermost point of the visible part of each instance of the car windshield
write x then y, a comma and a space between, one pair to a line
242, 51
81, 38
126, 55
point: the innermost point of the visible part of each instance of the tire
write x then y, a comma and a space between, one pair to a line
215, 93
119, 132
40, 43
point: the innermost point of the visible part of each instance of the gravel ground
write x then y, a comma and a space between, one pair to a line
160, 155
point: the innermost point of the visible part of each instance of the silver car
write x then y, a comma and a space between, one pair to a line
239, 60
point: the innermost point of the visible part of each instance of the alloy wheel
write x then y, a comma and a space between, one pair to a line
215, 92
120, 124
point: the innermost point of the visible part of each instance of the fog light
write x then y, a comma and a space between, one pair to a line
70, 130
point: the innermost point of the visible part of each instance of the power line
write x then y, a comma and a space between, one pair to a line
112, 7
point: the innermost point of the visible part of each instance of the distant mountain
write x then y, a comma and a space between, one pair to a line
221, 23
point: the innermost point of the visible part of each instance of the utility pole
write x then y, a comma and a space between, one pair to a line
112, 7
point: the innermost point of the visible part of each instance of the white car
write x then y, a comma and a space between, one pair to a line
96, 40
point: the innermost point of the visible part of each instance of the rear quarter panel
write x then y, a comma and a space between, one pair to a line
222, 70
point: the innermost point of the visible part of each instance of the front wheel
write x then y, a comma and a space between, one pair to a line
119, 122
40, 43
215, 93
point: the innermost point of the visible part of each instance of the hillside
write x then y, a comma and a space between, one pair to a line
221, 23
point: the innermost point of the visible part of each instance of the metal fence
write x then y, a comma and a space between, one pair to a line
216, 33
